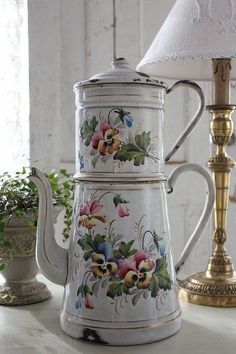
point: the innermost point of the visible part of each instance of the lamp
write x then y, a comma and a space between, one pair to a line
196, 35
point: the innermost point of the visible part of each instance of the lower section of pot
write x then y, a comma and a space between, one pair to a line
23, 293
127, 333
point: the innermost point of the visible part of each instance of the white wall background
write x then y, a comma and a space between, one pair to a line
70, 40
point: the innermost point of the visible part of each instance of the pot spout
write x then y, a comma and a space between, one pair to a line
51, 258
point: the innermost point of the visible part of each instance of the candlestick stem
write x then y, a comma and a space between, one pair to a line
217, 285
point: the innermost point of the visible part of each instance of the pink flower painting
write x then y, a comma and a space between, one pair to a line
90, 214
88, 302
138, 271
106, 140
122, 210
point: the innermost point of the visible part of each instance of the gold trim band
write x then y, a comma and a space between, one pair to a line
90, 319
125, 328
120, 182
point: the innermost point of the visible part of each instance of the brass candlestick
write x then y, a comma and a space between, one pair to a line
217, 285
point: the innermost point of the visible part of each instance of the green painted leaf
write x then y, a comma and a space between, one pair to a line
156, 240
88, 129
161, 273
87, 255
114, 290
123, 248
154, 287
125, 289
137, 297
135, 150
87, 243
130, 152
93, 123
87, 290
161, 264
88, 247
95, 160
143, 140
111, 291
117, 254
132, 252
121, 114
116, 279
129, 245
159, 238
98, 239
80, 290
164, 280
119, 200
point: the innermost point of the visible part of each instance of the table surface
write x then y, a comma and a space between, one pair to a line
35, 329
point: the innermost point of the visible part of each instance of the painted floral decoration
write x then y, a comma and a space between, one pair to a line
120, 204
81, 162
125, 117
135, 269
106, 138
84, 298
138, 271
90, 213
104, 264
123, 210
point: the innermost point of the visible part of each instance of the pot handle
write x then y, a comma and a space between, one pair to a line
208, 207
192, 124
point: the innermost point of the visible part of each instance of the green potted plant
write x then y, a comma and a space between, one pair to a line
18, 220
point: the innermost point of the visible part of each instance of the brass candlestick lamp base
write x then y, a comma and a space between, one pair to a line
217, 285
205, 289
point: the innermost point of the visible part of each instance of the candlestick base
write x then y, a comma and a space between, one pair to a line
210, 290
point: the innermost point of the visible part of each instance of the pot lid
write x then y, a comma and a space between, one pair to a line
120, 73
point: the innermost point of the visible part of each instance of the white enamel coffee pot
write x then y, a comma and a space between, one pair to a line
118, 272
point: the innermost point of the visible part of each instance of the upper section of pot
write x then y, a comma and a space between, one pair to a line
120, 73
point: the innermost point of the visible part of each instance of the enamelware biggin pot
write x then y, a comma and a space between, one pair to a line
118, 272
120, 122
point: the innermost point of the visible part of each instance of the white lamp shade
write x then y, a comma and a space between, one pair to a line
194, 32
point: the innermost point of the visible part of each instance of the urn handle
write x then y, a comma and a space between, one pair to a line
208, 207
192, 124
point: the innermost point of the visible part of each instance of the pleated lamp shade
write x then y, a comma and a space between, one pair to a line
194, 32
